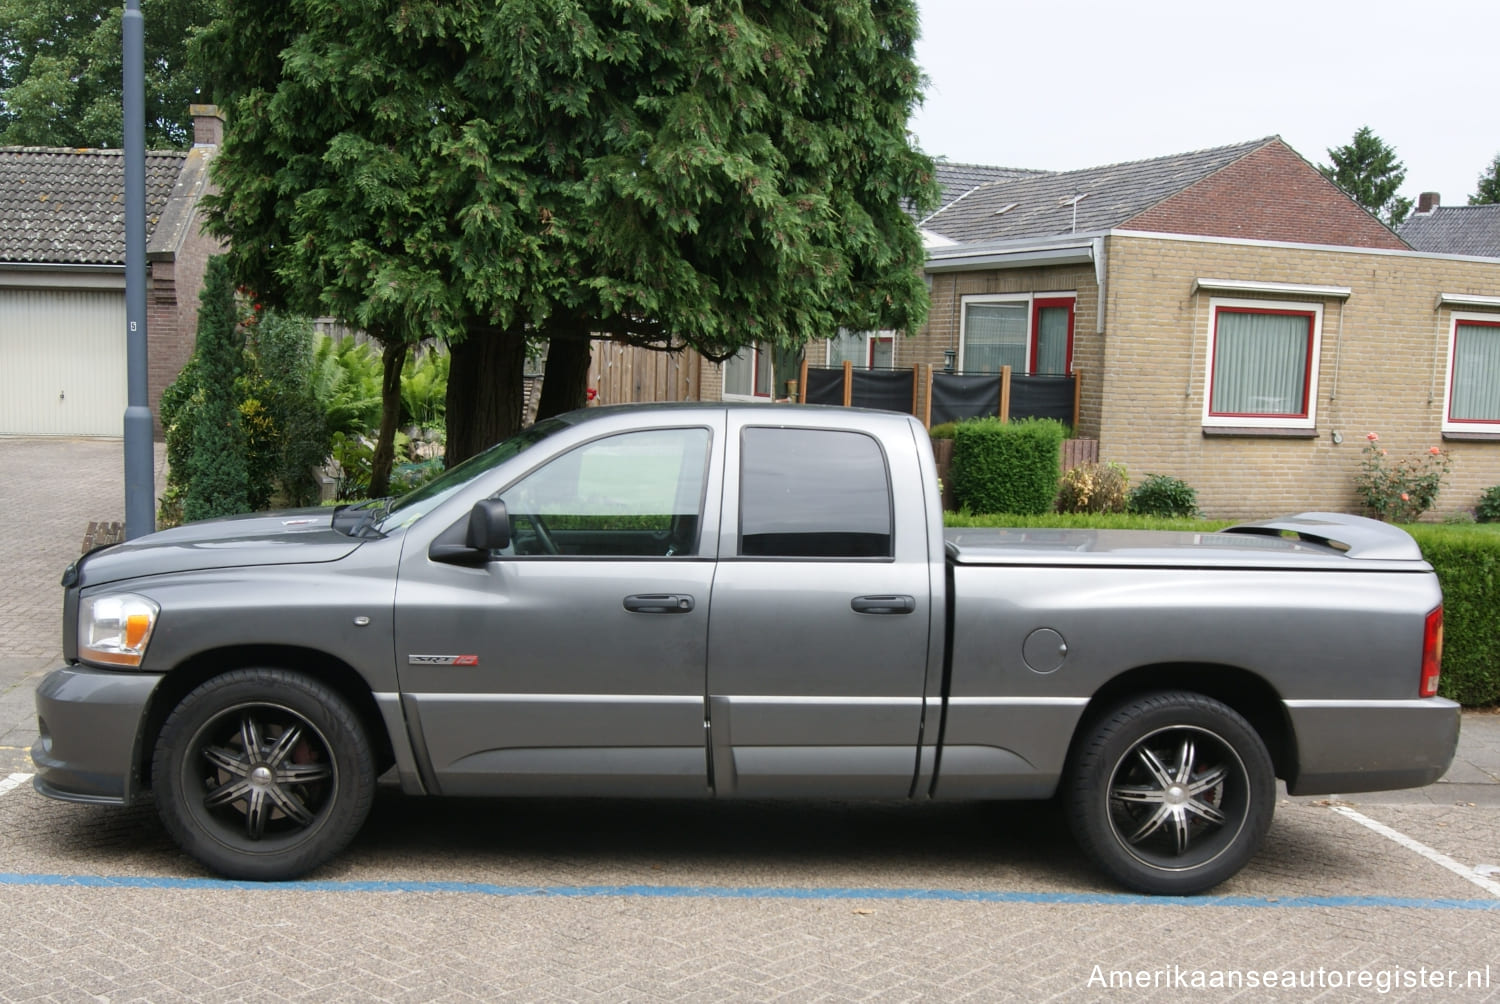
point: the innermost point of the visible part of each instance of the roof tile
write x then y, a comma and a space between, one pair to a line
63, 206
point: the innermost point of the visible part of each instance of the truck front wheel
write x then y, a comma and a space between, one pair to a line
263, 774
1171, 794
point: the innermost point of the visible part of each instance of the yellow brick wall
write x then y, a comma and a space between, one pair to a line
1382, 369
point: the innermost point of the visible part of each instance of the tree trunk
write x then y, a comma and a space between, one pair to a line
392, 361
565, 387
484, 390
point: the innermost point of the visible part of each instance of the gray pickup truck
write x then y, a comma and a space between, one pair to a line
739, 602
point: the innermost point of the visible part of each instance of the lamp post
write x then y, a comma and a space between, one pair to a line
140, 462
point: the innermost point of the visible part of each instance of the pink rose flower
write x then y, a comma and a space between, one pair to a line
1372, 437
1434, 450
1405, 497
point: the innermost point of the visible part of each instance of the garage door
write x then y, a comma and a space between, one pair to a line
62, 362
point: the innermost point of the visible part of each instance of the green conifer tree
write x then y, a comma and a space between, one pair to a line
216, 464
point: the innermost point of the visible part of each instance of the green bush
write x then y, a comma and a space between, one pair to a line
1006, 466
1488, 509
1092, 488
943, 431
1160, 495
1467, 561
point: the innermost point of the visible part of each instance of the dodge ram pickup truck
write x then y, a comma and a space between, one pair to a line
738, 602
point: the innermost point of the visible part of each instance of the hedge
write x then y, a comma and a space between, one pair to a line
1466, 559
1009, 467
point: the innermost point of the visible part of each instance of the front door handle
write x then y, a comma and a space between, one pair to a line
883, 604
659, 603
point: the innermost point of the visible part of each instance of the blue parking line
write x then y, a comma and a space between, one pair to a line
752, 892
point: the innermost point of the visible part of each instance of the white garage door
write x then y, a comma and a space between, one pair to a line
62, 362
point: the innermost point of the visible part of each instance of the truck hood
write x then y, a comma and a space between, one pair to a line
294, 536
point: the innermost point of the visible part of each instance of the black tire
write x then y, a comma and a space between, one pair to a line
281, 810
1171, 794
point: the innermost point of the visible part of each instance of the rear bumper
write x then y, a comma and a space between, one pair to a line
1351, 746
89, 722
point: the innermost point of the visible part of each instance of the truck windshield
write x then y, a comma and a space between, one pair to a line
409, 508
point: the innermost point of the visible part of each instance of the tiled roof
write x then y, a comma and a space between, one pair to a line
957, 179
67, 207
1473, 230
1042, 205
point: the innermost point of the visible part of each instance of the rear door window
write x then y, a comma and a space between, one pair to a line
814, 493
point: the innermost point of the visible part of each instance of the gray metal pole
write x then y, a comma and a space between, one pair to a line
140, 459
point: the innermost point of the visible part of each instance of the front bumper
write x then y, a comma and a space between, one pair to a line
1351, 746
90, 732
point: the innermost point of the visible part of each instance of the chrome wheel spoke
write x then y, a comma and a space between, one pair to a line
257, 811
1153, 823
1205, 811
250, 737
290, 805
1185, 759
1155, 767
227, 793
1207, 781
227, 760
1138, 793
284, 746
302, 773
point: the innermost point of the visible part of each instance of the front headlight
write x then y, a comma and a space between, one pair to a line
115, 629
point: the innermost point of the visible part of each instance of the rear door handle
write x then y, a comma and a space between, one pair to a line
883, 604
659, 603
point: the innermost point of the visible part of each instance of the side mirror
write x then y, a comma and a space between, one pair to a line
470, 541
489, 525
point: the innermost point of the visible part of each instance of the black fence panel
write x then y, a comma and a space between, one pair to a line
957, 396
824, 386
1042, 397
887, 390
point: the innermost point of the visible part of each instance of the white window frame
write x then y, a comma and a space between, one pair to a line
754, 351
1310, 420
1030, 300
870, 338
1466, 424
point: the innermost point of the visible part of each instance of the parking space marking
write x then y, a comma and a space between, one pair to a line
811, 893
14, 781
1436, 857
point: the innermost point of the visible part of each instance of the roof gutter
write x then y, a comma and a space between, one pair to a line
1076, 250
49, 275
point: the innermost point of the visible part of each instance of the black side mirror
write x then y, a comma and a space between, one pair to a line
470, 541
489, 525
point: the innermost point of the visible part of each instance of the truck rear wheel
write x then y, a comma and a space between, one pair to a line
263, 774
1172, 793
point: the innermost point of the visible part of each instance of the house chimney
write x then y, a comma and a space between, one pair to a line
1428, 201
208, 125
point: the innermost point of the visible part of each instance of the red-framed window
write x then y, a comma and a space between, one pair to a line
1473, 390
1262, 363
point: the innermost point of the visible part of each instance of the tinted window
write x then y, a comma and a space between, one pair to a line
811, 493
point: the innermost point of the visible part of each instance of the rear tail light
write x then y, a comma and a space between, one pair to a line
1432, 653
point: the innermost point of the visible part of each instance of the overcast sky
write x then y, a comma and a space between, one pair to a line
1063, 85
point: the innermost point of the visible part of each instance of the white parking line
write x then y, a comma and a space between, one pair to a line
14, 781
1436, 857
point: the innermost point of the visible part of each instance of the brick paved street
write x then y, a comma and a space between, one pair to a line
615, 901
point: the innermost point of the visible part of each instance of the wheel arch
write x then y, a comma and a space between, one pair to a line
312, 663
1243, 691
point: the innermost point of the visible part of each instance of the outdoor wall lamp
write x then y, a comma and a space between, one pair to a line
948, 357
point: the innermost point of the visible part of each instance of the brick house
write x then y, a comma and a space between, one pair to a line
1232, 317
62, 280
